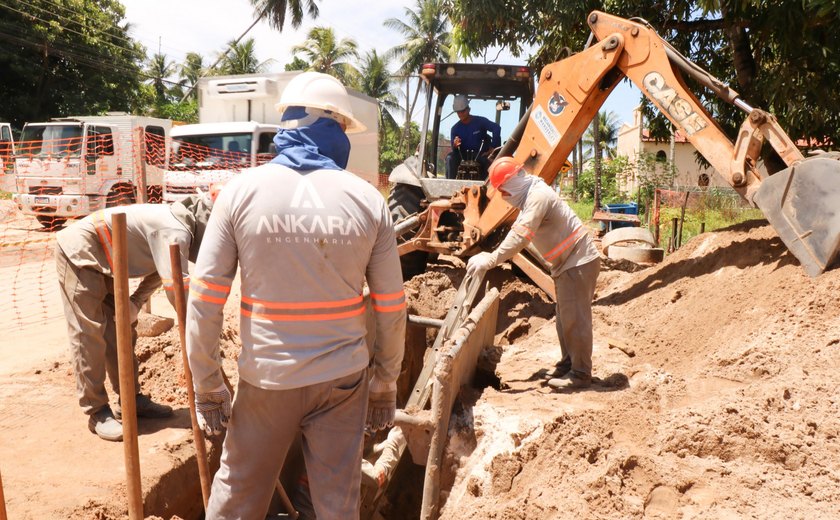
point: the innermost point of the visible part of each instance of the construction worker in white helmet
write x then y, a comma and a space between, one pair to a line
83, 256
306, 235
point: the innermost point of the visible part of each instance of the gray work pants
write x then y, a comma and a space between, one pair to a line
575, 289
88, 298
264, 423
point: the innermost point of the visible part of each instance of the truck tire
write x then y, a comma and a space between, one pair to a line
51, 223
120, 195
404, 201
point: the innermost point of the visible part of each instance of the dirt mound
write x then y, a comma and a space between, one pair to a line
731, 410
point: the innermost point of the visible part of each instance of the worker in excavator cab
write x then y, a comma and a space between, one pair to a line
473, 138
83, 258
306, 235
563, 241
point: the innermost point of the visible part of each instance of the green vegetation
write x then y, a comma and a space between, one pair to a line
713, 209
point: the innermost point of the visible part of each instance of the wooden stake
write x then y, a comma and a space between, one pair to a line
181, 311
125, 360
2, 501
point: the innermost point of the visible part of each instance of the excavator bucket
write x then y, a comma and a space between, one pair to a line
803, 204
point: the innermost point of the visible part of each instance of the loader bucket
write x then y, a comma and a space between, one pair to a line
803, 204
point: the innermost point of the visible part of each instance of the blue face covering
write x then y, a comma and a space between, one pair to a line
322, 145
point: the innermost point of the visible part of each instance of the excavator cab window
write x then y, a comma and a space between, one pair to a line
499, 93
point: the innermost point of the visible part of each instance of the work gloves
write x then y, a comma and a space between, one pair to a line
480, 263
212, 410
382, 404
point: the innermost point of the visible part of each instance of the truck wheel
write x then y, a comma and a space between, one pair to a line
51, 223
404, 201
120, 196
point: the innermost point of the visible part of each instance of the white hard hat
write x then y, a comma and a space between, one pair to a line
460, 102
323, 93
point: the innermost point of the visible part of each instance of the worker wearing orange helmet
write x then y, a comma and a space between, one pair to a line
561, 238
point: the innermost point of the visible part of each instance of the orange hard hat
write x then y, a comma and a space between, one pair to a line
503, 169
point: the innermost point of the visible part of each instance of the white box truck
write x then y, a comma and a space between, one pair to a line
71, 167
227, 103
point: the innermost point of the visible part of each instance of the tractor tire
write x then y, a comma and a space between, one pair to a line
404, 201
51, 223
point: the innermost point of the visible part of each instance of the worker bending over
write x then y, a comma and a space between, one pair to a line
560, 237
306, 234
83, 258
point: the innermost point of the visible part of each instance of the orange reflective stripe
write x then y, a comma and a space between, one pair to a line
356, 300
212, 286
104, 237
206, 298
523, 231
562, 246
303, 317
389, 296
169, 284
389, 308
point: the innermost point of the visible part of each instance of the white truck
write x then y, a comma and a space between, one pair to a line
71, 167
7, 158
208, 153
233, 107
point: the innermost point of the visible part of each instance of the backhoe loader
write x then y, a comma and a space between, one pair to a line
802, 202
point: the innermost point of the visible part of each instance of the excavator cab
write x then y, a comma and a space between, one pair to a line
500, 93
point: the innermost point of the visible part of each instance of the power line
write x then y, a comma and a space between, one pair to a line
71, 20
132, 51
93, 61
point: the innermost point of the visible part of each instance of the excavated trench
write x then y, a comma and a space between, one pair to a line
523, 308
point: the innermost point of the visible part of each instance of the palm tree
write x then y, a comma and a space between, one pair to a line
326, 54
427, 39
241, 58
608, 127
191, 70
158, 69
375, 80
275, 11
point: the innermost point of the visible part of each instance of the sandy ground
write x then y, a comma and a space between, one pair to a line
717, 396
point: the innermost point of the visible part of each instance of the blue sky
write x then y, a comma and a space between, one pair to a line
175, 27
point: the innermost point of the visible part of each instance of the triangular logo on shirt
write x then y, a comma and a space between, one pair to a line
305, 196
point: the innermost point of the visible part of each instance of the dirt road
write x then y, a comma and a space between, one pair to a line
729, 407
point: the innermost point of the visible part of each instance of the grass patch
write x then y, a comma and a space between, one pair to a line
709, 216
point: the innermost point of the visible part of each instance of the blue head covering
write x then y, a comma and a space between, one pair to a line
321, 145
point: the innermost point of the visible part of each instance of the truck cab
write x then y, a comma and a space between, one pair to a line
69, 168
207, 153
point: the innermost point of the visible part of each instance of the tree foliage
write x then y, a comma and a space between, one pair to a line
241, 58
327, 54
376, 81
782, 56
275, 11
63, 57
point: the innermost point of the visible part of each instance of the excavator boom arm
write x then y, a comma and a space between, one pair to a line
572, 91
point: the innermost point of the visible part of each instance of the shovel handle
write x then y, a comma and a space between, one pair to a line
181, 311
